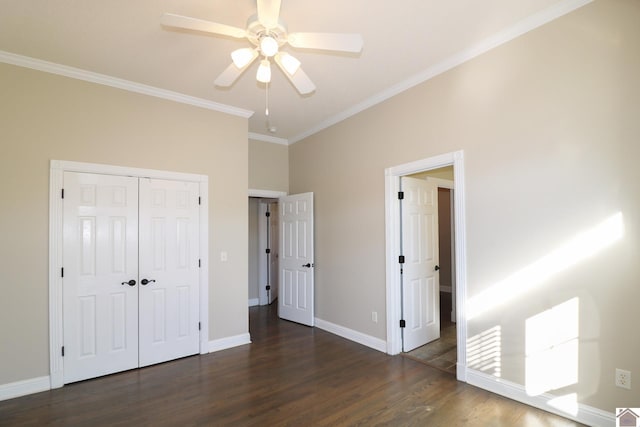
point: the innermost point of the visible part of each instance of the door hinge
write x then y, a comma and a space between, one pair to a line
401, 259
62, 193
199, 200
62, 351
199, 326
403, 324
267, 214
400, 195
268, 251
200, 263
62, 272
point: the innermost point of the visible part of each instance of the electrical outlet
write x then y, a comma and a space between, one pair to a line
623, 379
374, 316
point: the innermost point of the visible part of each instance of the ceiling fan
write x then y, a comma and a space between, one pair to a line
267, 33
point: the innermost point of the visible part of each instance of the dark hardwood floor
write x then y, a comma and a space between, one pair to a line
291, 375
443, 352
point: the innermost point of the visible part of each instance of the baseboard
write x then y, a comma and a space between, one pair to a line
576, 411
350, 334
253, 302
22, 388
229, 342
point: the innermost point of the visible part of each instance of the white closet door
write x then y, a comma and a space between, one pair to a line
100, 289
169, 250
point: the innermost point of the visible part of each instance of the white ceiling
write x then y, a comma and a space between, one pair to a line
405, 42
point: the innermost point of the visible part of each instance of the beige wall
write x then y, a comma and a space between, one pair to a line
442, 173
44, 117
549, 126
268, 166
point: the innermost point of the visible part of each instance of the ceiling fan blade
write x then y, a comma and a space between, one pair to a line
299, 79
185, 22
268, 12
232, 72
327, 41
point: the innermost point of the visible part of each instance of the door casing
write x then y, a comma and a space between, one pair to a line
56, 173
392, 231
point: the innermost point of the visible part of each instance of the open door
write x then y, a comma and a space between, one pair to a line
420, 278
296, 266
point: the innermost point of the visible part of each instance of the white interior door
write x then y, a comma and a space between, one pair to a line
274, 256
296, 266
100, 280
169, 303
420, 278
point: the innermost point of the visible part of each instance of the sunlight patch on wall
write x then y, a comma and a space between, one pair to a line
552, 348
484, 352
582, 246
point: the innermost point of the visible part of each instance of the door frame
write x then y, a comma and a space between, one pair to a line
392, 232
57, 168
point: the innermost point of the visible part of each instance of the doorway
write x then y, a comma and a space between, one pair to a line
264, 251
393, 245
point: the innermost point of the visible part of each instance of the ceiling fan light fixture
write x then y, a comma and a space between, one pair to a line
289, 63
241, 57
264, 71
268, 46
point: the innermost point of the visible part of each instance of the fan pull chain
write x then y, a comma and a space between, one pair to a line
266, 103
270, 127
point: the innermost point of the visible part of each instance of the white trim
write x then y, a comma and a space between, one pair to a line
584, 414
55, 280
350, 334
103, 79
524, 26
229, 342
267, 194
268, 138
204, 266
24, 387
392, 232
253, 302
56, 172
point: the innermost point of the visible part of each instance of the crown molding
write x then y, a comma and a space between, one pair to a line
268, 138
524, 26
102, 79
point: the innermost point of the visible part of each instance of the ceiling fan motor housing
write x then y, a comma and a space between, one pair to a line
256, 31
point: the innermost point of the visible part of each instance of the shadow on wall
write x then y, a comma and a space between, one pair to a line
551, 336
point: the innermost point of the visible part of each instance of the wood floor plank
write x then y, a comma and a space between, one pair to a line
291, 375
